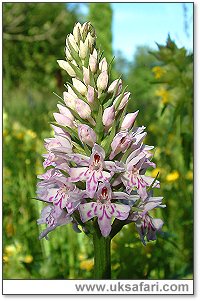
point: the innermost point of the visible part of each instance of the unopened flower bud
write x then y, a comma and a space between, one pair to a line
108, 116
58, 130
83, 50
66, 66
83, 109
94, 53
86, 134
65, 111
68, 54
103, 65
76, 32
86, 76
69, 99
90, 94
116, 84
63, 120
90, 41
129, 120
123, 102
80, 87
70, 39
102, 81
93, 63
71, 91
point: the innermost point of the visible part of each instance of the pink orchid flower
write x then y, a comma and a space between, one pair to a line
132, 177
104, 209
53, 217
92, 169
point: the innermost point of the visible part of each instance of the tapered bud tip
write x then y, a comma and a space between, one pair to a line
90, 94
83, 109
116, 85
66, 66
83, 49
80, 87
63, 120
86, 134
103, 65
108, 116
129, 120
65, 111
102, 81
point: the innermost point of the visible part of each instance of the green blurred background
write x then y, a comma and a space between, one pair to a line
161, 83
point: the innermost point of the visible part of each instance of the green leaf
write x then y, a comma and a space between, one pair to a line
108, 140
150, 187
99, 124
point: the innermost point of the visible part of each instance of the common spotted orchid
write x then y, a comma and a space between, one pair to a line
96, 162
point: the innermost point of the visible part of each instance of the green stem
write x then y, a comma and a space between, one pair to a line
102, 263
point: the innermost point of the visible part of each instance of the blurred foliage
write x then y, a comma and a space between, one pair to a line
161, 83
34, 34
100, 16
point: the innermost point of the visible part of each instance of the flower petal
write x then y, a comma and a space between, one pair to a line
77, 174
91, 184
87, 211
121, 211
104, 222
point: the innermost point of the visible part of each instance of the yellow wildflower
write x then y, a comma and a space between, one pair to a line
116, 266
189, 175
19, 135
173, 176
164, 94
10, 250
81, 257
87, 264
5, 259
155, 172
5, 133
28, 259
158, 72
31, 133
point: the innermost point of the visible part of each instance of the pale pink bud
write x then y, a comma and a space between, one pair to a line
95, 54
90, 94
90, 40
108, 116
116, 84
59, 131
83, 109
86, 76
63, 120
69, 99
124, 100
80, 87
93, 63
72, 42
103, 65
71, 91
129, 120
102, 81
83, 50
65, 111
76, 32
86, 134
66, 66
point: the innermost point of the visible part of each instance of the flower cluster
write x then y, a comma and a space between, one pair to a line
97, 160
